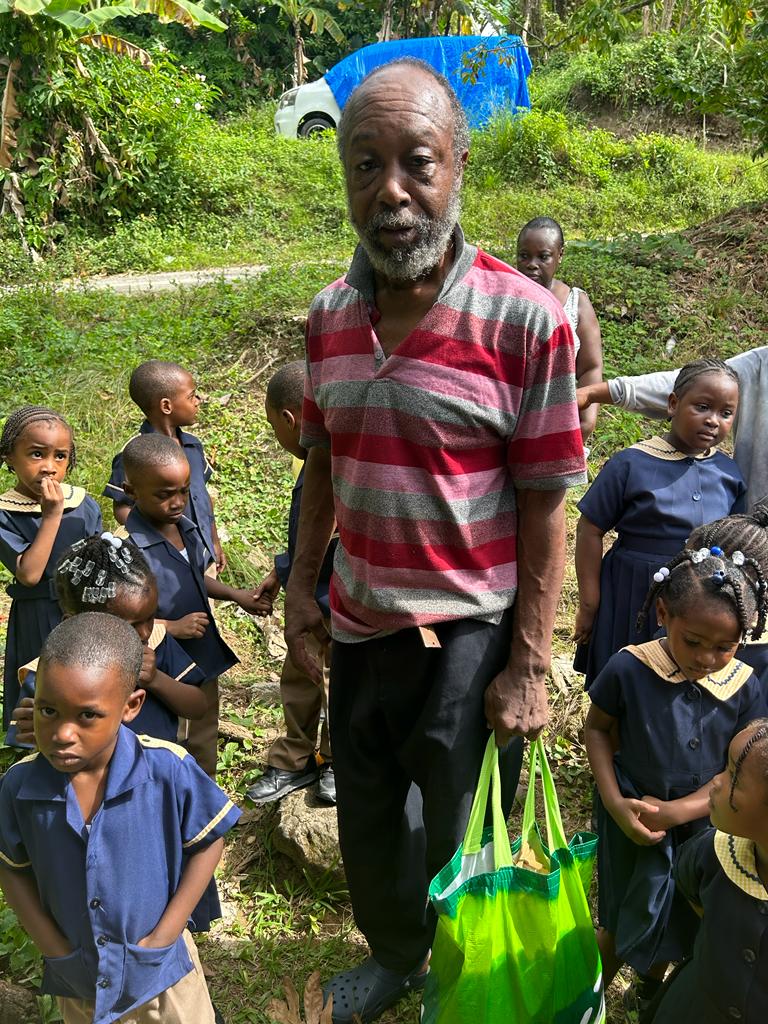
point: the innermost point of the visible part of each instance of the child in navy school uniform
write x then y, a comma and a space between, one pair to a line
157, 478
167, 395
39, 517
653, 494
106, 573
677, 703
107, 839
724, 875
291, 762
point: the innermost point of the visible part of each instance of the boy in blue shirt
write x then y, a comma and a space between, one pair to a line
158, 479
291, 760
108, 840
167, 395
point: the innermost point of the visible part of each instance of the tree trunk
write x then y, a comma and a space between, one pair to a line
533, 22
299, 64
385, 32
667, 11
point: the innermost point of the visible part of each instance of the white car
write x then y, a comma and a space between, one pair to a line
306, 110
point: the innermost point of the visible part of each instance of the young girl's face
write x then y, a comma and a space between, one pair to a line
137, 608
705, 413
702, 639
42, 450
738, 800
539, 254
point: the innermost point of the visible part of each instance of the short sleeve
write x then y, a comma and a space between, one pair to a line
606, 690
12, 543
753, 703
690, 868
207, 813
313, 429
740, 504
605, 502
114, 488
92, 517
545, 450
13, 853
174, 661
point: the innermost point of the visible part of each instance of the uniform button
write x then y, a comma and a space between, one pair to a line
102, 940
104, 983
734, 1013
95, 903
694, 744
696, 496
749, 956
693, 693
764, 908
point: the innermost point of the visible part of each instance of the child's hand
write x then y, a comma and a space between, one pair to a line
148, 667
51, 498
24, 716
627, 814
221, 558
254, 602
582, 629
190, 627
664, 816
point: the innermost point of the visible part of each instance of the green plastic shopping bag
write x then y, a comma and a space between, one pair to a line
514, 941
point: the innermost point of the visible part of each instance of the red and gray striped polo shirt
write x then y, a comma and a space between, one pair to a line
429, 444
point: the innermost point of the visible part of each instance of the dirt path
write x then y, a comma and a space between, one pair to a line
131, 284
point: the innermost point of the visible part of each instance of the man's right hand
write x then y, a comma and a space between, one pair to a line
303, 618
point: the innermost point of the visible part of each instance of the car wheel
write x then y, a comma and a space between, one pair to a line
314, 125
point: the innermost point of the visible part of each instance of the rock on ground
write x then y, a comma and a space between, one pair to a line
17, 1005
308, 833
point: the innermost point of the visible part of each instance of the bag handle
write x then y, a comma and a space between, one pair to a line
489, 782
555, 831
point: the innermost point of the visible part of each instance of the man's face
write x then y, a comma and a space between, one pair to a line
403, 183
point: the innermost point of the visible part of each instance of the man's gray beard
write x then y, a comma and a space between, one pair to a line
415, 261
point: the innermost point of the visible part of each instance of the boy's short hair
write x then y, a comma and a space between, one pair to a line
152, 381
96, 639
286, 387
150, 450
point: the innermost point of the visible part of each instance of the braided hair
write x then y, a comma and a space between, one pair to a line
745, 532
759, 740
701, 368
24, 417
709, 572
93, 571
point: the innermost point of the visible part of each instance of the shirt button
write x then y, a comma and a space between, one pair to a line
95, 904
694, 744
734, 1013
105, 983
692, 693
102, 940
696, 495
749, 956
764, 908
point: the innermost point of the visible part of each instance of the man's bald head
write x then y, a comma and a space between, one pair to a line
443, 101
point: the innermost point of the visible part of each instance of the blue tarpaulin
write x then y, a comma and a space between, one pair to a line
500, 84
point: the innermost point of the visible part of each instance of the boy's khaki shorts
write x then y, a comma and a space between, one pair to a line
186, 1002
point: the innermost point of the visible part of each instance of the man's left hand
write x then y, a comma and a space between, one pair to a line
516, 704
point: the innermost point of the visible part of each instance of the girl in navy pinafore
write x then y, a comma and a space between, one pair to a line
40, 517
653, 494
676, 702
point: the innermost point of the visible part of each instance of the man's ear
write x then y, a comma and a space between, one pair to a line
133, 705
289, 418
166, 406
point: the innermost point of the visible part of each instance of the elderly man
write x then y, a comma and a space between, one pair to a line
441, 425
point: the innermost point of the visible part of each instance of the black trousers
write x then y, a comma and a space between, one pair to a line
402, 713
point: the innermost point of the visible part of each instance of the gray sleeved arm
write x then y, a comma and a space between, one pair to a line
646, 394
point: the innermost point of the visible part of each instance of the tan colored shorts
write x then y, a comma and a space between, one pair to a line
186, 1002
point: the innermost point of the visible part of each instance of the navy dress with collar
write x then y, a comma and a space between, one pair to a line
673, 739
199, 508
653, 496
181, 588
726, 981
35, 610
